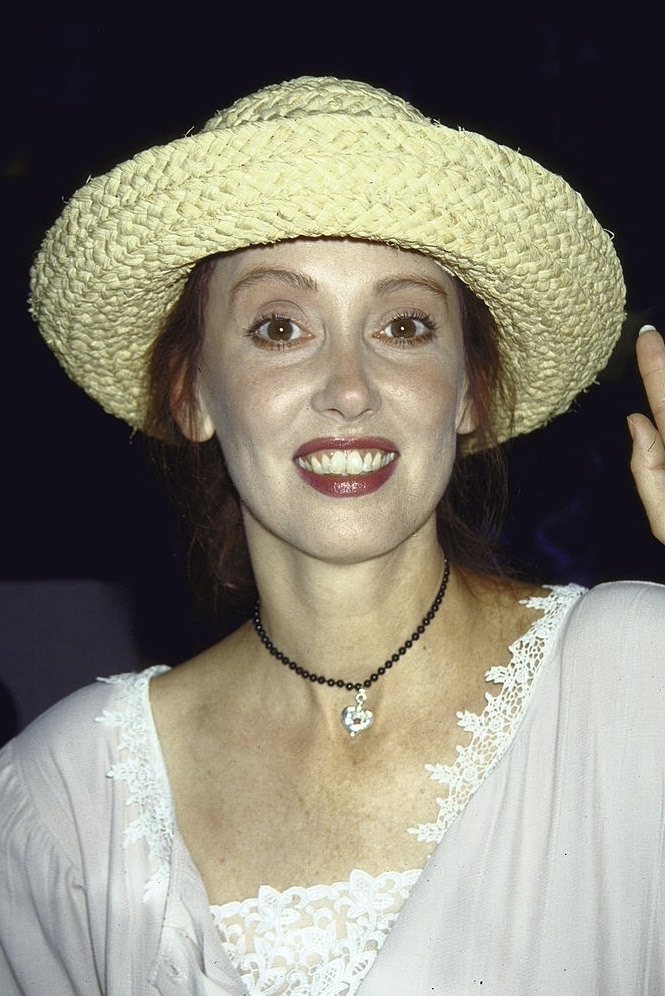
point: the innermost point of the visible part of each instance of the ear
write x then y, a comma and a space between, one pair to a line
467, 416
191, 415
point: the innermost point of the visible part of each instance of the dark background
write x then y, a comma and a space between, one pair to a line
578, 91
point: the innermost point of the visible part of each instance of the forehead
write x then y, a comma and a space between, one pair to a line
314, 263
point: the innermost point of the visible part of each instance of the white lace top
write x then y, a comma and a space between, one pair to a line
321, 940
547, 876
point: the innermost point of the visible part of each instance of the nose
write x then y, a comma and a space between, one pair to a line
347, 389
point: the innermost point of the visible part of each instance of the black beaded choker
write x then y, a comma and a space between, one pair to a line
355, 718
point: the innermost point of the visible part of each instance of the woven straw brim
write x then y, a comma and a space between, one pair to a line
117, 258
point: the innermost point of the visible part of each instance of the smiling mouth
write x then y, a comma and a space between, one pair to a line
345, 463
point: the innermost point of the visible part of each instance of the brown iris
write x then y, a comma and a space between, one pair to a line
279, 329
403, 328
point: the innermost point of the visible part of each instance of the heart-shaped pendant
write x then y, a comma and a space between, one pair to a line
355, 719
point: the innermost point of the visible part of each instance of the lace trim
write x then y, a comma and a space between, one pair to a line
143, 772
318, 941
493, 730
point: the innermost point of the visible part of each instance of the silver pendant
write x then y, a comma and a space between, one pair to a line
356, 719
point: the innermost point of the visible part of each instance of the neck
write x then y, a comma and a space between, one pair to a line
345, 621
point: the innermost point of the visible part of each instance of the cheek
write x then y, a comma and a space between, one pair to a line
245, 417
442, 400
235, 420
222, 403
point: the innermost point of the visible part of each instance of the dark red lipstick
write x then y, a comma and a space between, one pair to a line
344, 467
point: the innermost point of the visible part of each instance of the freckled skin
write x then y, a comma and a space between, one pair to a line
368, 342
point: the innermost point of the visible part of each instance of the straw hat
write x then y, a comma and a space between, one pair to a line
327, 157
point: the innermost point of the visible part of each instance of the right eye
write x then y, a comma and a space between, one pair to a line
274, 330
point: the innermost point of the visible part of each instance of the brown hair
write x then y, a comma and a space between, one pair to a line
469, 515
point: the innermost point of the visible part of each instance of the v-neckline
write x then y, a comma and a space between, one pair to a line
152, 792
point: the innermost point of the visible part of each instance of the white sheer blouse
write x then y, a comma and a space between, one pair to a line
547, 875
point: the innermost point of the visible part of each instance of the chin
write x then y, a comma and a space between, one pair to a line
344, 533
353, 546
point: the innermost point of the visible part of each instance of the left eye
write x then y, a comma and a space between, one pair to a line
405, 327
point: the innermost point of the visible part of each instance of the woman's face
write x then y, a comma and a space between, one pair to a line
332, 372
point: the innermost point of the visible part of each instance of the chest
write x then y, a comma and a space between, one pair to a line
266, 796
281, 815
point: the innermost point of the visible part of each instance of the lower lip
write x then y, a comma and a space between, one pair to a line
353, 486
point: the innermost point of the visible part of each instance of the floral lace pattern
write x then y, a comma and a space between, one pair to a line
322, 940
493, 730
318, 941
143, 771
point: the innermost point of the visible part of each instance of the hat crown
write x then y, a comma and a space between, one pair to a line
312, 95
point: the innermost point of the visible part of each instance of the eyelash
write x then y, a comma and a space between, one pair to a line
420, 340
253, 331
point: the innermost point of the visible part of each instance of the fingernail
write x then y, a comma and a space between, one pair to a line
647, 328
631, 428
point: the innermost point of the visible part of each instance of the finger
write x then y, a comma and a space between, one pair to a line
648, 467
651, 363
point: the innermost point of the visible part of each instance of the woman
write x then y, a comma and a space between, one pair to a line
404, 774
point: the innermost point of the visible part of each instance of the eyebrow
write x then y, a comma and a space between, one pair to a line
301, 281
392, 284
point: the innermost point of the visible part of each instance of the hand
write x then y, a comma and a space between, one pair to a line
648, 457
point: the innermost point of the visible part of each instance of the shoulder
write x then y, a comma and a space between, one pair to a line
63, 820
612, 654
58, 765
71, 727
613, 593
627, 611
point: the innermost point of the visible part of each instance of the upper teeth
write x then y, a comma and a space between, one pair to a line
346, 463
